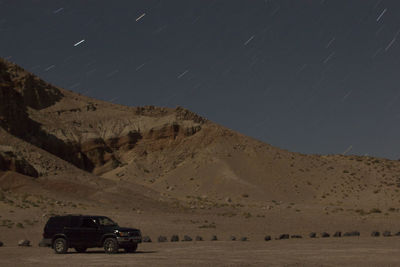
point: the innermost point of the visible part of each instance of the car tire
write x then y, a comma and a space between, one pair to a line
110, 245
131, 249
60, 245
80, 249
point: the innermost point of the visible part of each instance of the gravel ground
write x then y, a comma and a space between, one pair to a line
306, 252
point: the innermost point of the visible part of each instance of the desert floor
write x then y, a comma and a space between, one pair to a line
346, 251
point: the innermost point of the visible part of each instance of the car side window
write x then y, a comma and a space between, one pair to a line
88, 223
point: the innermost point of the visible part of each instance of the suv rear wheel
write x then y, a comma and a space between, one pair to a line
80, 249
131, 248
60, 245
110, 245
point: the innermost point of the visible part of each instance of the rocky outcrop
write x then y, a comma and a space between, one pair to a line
11, 162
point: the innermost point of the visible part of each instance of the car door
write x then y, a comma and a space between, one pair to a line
89, 232
72, 231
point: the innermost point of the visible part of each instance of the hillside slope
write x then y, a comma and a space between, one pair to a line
89, 149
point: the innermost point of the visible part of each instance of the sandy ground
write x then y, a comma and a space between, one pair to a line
348, 251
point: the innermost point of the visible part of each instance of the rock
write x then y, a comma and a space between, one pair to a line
325, 234
187, 238
43, 244
243, 238
353, 233
233, 238
162, 238
296, 236
387, 233
146, 239
375, 234
283, 236
267, 238
214, 238
337, 234
199, 238
312, 235
24, 243
174, 238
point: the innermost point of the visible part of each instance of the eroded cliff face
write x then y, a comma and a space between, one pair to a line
90, 134
11, 162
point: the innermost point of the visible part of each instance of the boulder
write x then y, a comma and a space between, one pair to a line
244, 238
162, 238
1, 244
267, 238
174, 238
397, 234
24, 243
283, 236
337, 234
214, 238
375, 234
312, 235
325, 234
387, 233
187, 238
199, 238
233, 238
146, 239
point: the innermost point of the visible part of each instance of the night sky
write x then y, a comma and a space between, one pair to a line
308, 76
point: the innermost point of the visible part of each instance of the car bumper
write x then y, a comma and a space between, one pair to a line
129, 240
46, 242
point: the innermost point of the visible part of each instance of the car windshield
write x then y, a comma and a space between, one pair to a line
104, 221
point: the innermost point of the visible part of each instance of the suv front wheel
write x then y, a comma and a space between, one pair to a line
110, 245
60, 245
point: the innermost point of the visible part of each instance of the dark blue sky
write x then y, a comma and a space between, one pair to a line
308, 76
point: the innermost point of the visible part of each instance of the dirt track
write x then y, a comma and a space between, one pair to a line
306, 252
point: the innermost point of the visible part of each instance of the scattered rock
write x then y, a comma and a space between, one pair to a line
337, 234
375, 234
353, 233
387, 233
325, 234
187, 238
43, 244
214, 238
267, 238
243, 238
312, 235
174, 238
199, 238
162, 238
283, 236
296, 236
146, 239
24, 243
233, 238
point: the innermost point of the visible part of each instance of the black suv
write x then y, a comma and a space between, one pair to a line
83, 231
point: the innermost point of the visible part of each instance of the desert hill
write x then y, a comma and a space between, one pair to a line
67, 147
